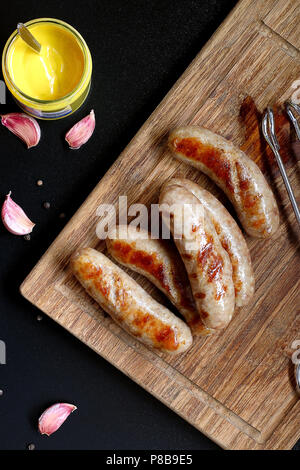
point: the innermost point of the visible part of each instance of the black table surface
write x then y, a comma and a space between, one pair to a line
139, 49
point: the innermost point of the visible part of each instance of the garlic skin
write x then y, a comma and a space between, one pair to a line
23, 126
80, 133
54, 416
14, 218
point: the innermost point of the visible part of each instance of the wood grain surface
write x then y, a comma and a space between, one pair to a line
236, 387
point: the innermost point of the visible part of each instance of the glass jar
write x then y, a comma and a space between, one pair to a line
56, 108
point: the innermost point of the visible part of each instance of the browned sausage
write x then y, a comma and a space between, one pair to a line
129, 304
160, 262
207, 263
231, 169
231, 239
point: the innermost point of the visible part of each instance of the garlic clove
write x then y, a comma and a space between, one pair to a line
54, 416
80, 133
14, 218
23, 126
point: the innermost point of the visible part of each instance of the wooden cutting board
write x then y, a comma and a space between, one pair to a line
236, 387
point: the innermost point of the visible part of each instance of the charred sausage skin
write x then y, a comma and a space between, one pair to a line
230, 237
207, 263
159, 261
129, 304
235, 173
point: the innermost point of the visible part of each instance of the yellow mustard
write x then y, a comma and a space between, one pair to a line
55, 82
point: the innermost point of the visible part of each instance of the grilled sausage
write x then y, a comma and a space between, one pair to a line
235, 173
129, 304
160, 262
207, 263
230, 237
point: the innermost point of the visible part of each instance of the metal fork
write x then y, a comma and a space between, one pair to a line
268, 129
290, 107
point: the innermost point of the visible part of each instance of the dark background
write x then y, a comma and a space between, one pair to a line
139, 49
